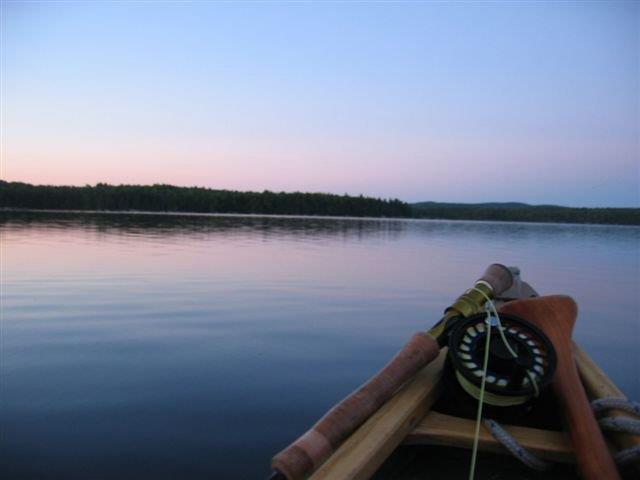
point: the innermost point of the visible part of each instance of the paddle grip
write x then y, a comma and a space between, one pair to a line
309, 451
499, 277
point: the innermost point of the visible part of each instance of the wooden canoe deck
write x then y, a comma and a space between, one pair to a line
449, 431
440, 463
407, 420
362, 453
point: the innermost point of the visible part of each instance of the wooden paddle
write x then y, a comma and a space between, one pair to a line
556, 315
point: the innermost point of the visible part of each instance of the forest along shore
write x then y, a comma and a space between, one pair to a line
168, 198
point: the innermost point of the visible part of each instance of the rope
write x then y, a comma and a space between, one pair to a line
608, 403
620, 424
517, 450
615, 424
627, 456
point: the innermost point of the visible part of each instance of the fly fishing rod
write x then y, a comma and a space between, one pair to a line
310, 450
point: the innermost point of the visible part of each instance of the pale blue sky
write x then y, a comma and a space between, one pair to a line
535, 102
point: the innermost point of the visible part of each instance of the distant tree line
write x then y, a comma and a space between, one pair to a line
527, 213
167, 198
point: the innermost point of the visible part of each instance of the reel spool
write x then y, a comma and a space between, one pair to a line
511, 382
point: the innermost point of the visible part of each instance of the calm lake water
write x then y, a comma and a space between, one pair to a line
155, 346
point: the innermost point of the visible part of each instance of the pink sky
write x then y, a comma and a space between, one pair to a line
415, 101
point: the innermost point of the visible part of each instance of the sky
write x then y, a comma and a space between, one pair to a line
459, 102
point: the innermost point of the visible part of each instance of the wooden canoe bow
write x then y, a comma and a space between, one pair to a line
310, 450
556, 315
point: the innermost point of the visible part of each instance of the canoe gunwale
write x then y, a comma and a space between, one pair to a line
361, 454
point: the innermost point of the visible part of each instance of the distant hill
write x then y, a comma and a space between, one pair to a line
473, 205
523, 212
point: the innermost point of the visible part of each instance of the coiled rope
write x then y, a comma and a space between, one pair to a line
517, 450
627, 456
615, 424
609, 403
620, 424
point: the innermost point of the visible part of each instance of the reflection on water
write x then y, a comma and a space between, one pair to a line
187, 346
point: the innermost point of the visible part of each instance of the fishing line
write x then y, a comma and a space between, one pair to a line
504, 338
500, 329
490, 308
485, 365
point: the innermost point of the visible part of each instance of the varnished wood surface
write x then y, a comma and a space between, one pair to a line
363, 452
555, 316
599, 385
309, 451
449, 431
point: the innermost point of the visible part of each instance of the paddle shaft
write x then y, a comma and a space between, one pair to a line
592, 454
555, 316
309, 451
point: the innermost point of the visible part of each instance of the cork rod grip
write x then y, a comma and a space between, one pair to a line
309, 451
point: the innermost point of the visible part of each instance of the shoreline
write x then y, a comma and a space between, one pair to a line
301, 217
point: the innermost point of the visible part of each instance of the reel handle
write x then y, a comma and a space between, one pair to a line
498, 277
310, 450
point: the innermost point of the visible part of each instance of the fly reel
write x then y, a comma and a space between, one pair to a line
511, 381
